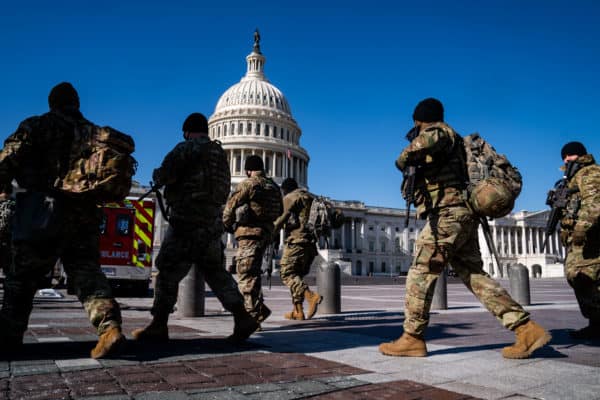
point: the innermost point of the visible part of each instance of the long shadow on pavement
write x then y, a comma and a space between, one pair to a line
134, 351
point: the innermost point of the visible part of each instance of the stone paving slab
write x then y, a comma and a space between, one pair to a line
331, 356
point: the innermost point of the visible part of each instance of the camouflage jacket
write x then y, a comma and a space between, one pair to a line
583, 207
261, 198
438, 155
296, 209
37, 154
197, 182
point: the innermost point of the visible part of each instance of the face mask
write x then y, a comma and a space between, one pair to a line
412, 134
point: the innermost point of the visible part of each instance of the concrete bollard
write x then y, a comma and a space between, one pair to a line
519, 284
190, 298
329, 286
440, 294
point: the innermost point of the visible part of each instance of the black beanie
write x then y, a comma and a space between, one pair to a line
254, 163
289, 184
63, 96
195, 123
573, 149
429, 110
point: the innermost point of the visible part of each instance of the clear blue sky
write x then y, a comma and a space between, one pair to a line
526, 74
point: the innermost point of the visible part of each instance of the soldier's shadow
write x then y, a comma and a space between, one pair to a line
132, 351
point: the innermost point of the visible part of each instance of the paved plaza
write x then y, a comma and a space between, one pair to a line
329, 357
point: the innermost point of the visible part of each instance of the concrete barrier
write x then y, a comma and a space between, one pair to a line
329, 286
190, 298
519, 284
440, 294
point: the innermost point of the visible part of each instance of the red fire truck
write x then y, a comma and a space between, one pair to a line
126, 237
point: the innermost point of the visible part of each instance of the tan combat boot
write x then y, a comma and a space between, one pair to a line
313, 299
157, 331
109, 342
530, 337
297, 313
406, 346
244, 325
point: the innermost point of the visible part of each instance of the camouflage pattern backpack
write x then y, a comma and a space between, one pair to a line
101, 164
323, 217
265, 200
494, 183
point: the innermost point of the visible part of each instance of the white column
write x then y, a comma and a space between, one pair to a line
274, 164
405, 240
362, 234
229, 237
232, 159
353, 234
343, 229
242, 161
502, 241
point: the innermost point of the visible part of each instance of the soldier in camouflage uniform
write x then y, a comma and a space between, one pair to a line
449, 236
197, 181
580, 234
300, 248
36, 155
7, 209
249, 214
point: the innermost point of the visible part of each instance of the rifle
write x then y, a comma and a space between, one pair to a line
268, 258
557, 199
488, 238
409, 177
409, 189
159, 199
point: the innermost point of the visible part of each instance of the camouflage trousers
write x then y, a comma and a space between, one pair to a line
249, 270
178, 251
7, 209
77, 246
295, 265
582, 269
450, 237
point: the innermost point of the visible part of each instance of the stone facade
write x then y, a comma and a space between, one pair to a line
254, 117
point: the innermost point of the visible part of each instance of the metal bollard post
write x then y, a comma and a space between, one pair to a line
190, 299
329, 286
440, 294
519, 284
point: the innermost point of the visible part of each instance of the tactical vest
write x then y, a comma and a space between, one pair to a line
51, 136
591, 171
296, 226
205, 181
265, 200
442, 171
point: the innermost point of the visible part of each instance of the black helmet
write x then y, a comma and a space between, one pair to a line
573, 149
63, 96
289, 184
254, 163
429, 110
195, 123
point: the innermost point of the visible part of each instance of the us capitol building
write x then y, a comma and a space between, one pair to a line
254, 117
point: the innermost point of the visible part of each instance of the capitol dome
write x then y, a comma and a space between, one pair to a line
254, 117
